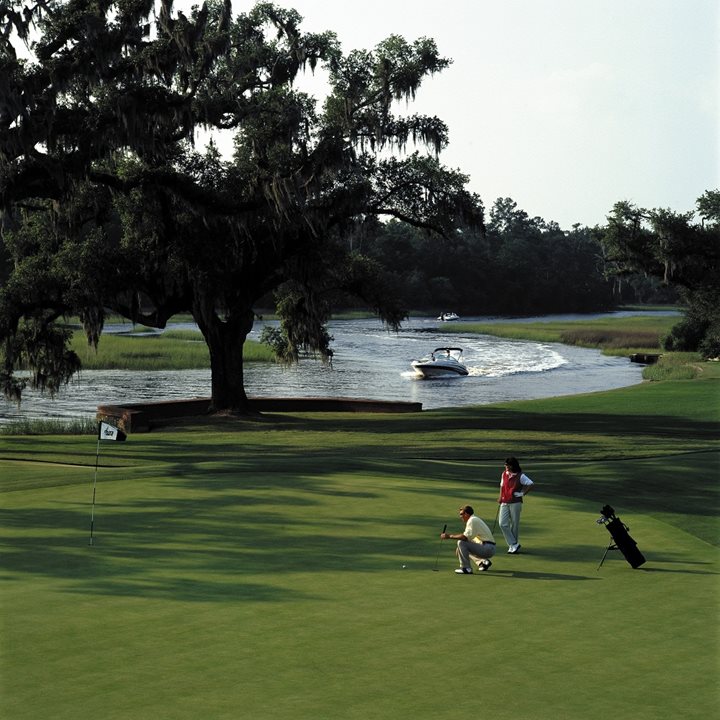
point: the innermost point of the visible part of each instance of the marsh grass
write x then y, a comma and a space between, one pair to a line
613, 335
171, 350
667, 308
188, 335
353, 315
678, 366
50, 426
611, 338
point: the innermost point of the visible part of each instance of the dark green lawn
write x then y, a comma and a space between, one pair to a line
255, 568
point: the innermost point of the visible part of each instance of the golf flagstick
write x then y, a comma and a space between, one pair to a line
92, 511
437, 558
105, 432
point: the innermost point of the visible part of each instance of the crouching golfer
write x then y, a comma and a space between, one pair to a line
475, 541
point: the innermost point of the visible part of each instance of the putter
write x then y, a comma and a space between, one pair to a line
497, 512
437, 557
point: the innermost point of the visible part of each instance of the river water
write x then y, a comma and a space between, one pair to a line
369, 363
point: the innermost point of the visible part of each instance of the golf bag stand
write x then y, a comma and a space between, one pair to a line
621, 539
611, 546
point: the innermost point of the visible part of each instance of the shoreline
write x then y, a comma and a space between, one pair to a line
585, 371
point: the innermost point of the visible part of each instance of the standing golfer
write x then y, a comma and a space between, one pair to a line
476, 541
514, 485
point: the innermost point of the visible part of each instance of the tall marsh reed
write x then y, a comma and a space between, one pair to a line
171, 350
616, 336
676, 366
50, 426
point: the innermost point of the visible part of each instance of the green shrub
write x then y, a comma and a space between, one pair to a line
673, 366
686, 336
710, 345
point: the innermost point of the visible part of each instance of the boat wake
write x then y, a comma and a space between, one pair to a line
512, 359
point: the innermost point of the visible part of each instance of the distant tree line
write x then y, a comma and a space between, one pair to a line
518, 265
515, 265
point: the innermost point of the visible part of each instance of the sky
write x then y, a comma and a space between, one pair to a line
565, 106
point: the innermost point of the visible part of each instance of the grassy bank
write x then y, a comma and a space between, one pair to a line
284, 565
617, 336
614, 336
145, 349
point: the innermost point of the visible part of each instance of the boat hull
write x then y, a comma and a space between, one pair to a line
432, 370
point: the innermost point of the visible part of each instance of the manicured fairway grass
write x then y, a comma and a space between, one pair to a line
253, 569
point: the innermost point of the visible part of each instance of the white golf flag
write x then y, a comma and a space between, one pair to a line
109, 432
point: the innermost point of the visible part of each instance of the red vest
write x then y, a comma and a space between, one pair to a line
510, 484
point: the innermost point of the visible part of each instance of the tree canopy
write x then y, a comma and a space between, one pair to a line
108, 206
680, 251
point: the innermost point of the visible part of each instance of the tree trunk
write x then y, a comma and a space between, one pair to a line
225, 340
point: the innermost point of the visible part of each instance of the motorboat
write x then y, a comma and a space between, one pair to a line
448, 316
442, 361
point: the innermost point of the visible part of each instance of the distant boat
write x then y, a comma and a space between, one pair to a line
448, 316
442, 361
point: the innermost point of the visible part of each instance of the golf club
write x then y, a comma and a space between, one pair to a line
437, 557
497, 512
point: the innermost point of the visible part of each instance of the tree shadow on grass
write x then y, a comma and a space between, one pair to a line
210, 549
675, 563
565, 553
188, 590
685, 571
594, 556
529, 575
147, 567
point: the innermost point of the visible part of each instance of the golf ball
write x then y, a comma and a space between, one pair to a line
404, 566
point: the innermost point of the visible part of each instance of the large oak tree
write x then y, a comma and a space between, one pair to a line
107, 206
679, 250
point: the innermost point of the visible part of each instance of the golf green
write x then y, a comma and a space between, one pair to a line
284, 568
